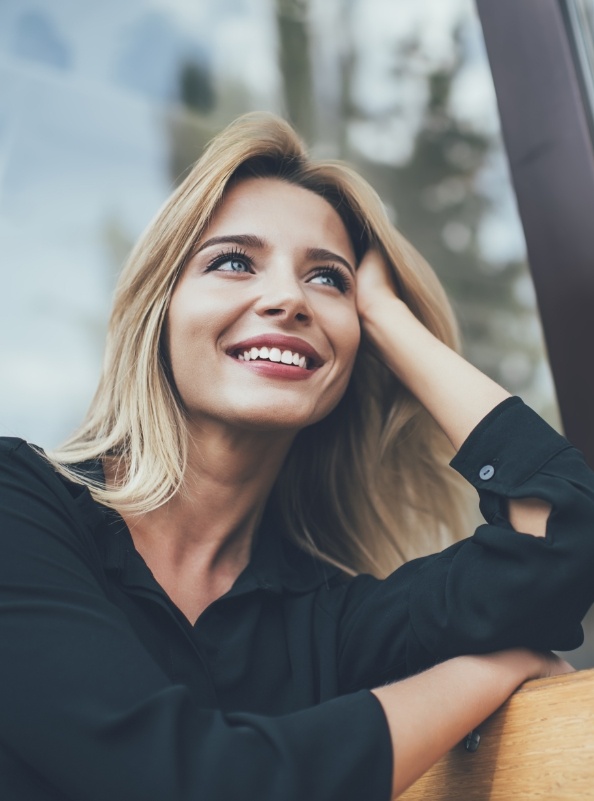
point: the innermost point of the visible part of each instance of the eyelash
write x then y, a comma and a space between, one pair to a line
229, 255
343, 283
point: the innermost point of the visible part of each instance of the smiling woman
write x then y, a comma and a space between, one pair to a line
379, 429
263, 305
196, 575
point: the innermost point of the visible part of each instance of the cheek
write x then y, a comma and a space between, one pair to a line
174, 336
184, 332
190, 319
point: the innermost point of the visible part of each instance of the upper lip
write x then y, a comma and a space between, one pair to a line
281, 341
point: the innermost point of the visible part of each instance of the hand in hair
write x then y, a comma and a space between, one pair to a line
375, 283
456, 394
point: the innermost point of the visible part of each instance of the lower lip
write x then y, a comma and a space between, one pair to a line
277, 370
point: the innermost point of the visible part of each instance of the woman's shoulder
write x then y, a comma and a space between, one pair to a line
19, 458
23, 460
27, 472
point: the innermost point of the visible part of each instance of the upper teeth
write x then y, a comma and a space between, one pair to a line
274, 355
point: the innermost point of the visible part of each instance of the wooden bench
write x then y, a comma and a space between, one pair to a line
538, 745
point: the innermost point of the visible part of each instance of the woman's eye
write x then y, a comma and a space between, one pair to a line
329, 276
233, 266
230, 263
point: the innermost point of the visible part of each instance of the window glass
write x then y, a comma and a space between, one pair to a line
580, 14
104, 106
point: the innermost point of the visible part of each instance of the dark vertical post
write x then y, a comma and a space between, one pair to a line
547, 137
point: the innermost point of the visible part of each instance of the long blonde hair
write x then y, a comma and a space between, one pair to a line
367, 487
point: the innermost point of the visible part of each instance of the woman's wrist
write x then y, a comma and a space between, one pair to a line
450, 699
517, 664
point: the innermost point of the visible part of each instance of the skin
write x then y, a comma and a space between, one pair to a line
450, 699
453, 391
242, 419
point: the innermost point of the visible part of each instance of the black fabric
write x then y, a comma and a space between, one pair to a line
107, 691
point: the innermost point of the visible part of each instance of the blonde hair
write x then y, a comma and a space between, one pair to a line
365, 488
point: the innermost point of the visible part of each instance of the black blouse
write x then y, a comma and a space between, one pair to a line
107, 691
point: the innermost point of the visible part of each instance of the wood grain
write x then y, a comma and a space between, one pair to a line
538, 745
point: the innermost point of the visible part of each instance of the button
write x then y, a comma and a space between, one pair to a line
472, 741
487, 472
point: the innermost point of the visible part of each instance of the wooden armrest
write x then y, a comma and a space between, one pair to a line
538, 745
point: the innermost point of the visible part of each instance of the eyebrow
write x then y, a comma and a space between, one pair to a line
249, 240
252, 241
321, 254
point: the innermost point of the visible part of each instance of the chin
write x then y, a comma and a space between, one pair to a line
277, 417
276, 420
268, 411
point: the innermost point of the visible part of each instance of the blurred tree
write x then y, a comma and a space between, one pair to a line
196, 87
439, 206
189, 126
295, 65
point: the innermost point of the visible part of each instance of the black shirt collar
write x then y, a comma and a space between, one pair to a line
276, 565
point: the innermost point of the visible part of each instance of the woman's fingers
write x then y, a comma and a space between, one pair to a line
544, 665
554, 665
375, 282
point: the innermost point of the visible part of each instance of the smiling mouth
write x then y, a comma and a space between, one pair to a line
275, 355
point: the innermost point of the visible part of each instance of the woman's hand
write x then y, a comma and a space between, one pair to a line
454, 392
548, 665
429, 713
375, 284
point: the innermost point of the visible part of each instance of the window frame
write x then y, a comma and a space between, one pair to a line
547, 130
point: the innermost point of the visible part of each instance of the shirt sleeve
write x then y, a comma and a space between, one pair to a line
87, 711
499, 588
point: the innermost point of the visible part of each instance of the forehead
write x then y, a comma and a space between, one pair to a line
275, 209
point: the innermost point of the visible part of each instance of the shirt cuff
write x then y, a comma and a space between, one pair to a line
508, 446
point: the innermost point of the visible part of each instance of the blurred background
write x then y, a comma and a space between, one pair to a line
103, 107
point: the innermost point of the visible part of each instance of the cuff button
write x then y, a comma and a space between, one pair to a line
486, 472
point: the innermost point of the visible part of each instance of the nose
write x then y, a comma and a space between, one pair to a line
284, 297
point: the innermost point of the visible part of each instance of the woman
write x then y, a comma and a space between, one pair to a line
177, 618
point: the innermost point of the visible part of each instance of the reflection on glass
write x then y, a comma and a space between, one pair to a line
36, 38
105, 106
580, 14
104, 111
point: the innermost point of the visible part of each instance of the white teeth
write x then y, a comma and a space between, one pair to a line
274, 355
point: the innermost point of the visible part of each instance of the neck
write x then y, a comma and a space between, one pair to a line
229, 478
199, 542
217, 510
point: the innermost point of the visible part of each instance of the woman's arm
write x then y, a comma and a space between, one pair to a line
429, 713
456, 394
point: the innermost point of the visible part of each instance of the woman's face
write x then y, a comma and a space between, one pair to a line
262, 328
